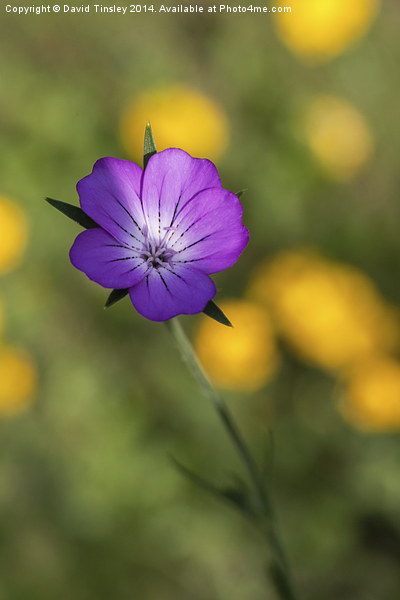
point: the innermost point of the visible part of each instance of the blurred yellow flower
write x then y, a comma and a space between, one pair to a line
180, 117
318, 30
338, 136
331, 313
243, 357
18, 380
13, 234
372, 397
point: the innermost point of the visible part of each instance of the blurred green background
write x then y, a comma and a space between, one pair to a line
91, 506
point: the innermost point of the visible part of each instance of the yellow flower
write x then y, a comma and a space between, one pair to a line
372, 397
338, 136
18, 380
318, 30
13, 234
243, 357
332, 314
180, 117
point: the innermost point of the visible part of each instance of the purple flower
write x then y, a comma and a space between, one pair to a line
161, 231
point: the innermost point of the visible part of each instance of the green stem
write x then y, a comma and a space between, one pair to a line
279, 569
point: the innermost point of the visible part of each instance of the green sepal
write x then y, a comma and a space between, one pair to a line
214, 312
149, 146
73, 212
240, 193
115, 296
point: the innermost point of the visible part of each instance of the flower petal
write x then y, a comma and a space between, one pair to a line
166, 293
110, 195
171, 180
104, 260
209, 232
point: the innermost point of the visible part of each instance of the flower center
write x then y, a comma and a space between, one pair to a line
156, 254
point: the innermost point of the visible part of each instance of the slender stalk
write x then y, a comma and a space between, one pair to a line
279, 568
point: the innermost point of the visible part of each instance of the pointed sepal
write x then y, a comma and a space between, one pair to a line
240, 193
73, 212
115, 296
214, 312
149, 146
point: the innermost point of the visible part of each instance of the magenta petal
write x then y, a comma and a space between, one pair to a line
104, 260
161, 232
210, 234
171, 180
110, 195
166, 293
